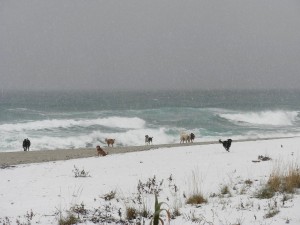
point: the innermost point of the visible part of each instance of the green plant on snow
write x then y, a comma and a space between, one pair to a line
157, 212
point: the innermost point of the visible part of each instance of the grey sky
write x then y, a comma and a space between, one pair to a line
153, 44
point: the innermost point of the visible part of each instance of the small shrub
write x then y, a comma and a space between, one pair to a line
28, 217
69, 220
285, 198
80, 173
196, 199
193, 217
152, 186
172, 185
243, 190
103, 214
144, 212
271, 213
109, 196
5, 221
248, 182
225, 190
198, 219
79, 209
175, 209
175, 212
213, 195
265, 193
131, 213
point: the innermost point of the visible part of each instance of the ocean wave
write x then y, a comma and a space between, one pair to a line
113, 122
18, 109
274, 118
131, 137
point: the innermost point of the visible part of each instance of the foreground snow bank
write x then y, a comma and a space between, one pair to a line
228, 181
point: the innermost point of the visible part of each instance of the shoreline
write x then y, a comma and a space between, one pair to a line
9, 159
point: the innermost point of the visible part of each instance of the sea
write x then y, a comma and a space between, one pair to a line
83, 119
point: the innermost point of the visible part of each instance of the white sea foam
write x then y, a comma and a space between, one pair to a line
131, 137
81, 133
114, 122
275, 118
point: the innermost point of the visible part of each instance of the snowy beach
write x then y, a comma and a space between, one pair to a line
20, 157
47, 192
107, 97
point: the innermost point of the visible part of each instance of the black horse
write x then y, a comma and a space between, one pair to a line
226, 144
26, 144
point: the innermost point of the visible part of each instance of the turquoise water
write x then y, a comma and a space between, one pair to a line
56, 120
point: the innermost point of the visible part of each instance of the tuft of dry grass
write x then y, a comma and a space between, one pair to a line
225, 190
196, 199
131, 213
176, 208
281, 180
274, 182
195, 196
291, 180
69, 220
285, 180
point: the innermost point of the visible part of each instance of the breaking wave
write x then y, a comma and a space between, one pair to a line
113, 122
274, 118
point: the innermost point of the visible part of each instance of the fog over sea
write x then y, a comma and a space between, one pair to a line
75, 119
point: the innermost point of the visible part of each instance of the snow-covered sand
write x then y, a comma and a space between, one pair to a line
50, 188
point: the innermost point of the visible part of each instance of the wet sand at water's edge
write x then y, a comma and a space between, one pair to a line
14, 158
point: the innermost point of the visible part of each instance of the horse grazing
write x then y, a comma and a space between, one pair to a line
110, 141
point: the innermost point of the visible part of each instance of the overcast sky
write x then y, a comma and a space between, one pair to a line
151, 44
